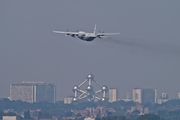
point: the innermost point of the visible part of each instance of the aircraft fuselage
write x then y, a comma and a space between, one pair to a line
86, 36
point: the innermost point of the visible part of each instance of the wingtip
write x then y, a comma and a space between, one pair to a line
55, 31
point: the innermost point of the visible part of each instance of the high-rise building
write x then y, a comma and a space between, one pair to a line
178, 95
137, 95
149, 95
33, 92
144, 95
113, 94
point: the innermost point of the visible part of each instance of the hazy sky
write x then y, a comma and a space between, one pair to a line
145, 55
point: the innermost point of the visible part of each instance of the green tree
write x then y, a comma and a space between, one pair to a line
123, 118
112, 118
27, 114
136, 112
9, 114
44, 115
149, 117
1, 114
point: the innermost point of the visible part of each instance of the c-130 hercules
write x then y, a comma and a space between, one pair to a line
86, 36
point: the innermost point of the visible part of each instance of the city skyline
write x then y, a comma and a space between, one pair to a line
128, 93
145, 54
140, 95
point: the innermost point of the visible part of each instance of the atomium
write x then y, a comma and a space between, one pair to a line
90, 76
90, 93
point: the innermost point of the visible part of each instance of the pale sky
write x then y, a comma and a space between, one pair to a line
145, 55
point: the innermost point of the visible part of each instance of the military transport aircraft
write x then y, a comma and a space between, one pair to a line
86, 36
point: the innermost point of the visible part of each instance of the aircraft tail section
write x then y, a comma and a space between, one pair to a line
95, 32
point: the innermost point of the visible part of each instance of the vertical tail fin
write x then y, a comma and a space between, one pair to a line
95, 30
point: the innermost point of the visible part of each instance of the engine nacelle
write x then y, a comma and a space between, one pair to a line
102, 36
81, 34
73, 35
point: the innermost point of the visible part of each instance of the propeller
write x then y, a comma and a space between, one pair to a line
101, 32
100, 36
77, 32
67, 33
73, 35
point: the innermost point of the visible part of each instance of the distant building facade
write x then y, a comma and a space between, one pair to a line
68, 100
164, 98
137, 95
33, 92
9, 118
113, 94
164, 95
149, 95
178, 95
144, 95
89, 118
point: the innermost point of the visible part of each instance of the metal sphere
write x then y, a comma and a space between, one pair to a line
74, 99
105, 88
103, 99
75, 88
90, 76
89, 88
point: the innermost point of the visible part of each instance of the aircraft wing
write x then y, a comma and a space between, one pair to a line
106, 34
67, 33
